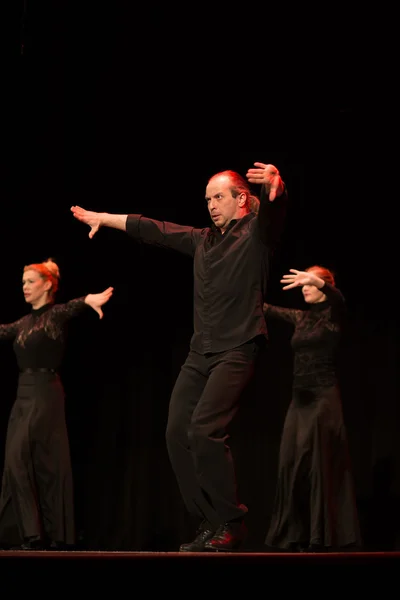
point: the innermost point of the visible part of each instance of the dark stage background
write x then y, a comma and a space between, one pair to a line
122, 110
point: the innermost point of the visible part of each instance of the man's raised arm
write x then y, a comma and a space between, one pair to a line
96, 220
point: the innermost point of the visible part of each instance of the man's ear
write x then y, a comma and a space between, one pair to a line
242, 199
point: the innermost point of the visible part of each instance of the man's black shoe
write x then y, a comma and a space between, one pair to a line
228, 538
198, 543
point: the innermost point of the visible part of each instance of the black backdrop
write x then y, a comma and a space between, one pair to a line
122, 111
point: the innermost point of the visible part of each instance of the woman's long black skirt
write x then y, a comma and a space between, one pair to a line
37, 498
315, 500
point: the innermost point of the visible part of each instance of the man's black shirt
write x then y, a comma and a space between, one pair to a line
230, 271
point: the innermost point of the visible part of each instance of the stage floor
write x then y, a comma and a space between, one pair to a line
192, 573
205, 557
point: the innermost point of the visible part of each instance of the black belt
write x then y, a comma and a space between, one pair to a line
41, 370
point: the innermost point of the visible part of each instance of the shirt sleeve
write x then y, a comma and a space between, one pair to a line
272, 218
181, 238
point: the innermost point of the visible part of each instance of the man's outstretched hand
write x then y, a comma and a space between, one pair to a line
88, 217
269, 176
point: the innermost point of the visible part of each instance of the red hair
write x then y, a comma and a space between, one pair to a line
324, 273
48, 271
240, 186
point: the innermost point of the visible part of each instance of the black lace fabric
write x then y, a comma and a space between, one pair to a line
314, 502
39, 337
316, 338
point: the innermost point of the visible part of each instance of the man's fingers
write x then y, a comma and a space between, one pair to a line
76, 209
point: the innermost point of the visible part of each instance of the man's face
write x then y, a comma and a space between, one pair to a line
222, 206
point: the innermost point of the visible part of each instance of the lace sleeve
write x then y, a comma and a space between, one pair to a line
336, 300
68, 310
291, 315
9, 331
